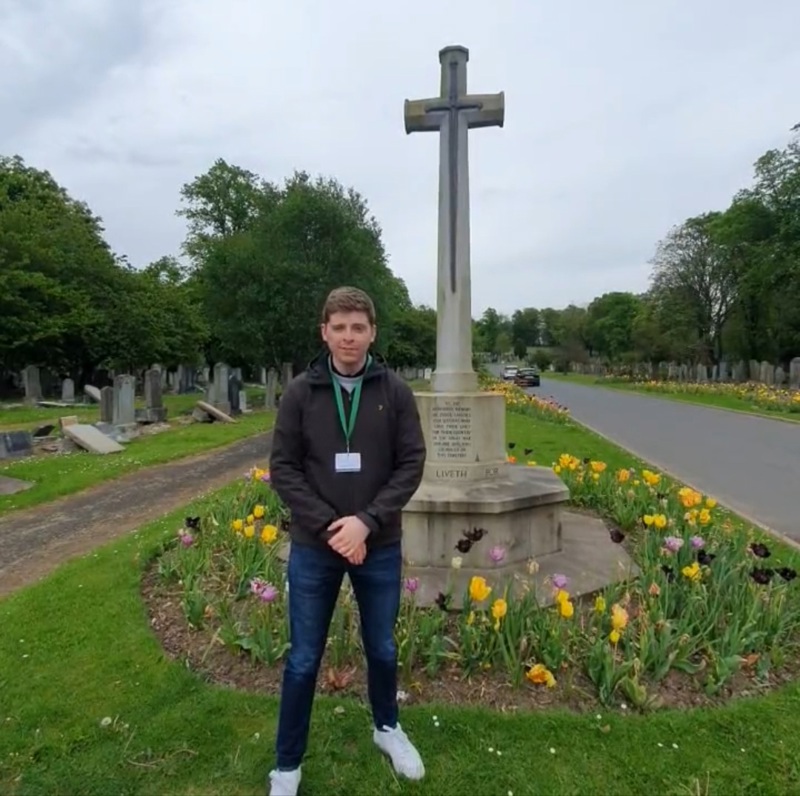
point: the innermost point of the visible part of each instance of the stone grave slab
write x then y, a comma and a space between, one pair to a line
217, 414
14, 444
10, 486
91, 439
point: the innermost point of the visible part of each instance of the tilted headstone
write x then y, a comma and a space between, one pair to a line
92, 392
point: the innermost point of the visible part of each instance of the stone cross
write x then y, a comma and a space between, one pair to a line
452, 114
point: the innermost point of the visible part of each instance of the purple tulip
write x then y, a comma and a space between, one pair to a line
560, 581
673, 544
497, 553
698, 542
411, 585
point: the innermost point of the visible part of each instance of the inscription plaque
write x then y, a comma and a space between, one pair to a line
451, 431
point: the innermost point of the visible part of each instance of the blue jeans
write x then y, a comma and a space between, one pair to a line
315, 579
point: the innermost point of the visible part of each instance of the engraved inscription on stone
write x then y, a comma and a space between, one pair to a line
452, 474
451, 430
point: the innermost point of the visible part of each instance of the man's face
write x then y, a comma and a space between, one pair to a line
349, 336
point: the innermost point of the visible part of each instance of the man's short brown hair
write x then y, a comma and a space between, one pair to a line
348, 299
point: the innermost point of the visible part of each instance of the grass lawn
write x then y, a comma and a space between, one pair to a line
90, 705
55, 476
718, 400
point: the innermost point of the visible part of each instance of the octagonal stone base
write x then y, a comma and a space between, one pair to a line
588, 558
519, 511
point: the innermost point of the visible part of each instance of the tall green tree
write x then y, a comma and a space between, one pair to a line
56, 271
610, 324
264, 286
525, 330
694, 278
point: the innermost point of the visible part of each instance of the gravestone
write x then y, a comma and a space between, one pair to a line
124, 401
15, 444
10, 486
32, 383
702, 373
154, 410
217, 393
767, 373
107, 405
287, 374
468, 481
780, 376
270, 393
92, 392
234, 391
68, 391
794, 373
722, 371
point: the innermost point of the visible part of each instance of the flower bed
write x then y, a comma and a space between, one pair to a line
713, 611
521, 402
770, 398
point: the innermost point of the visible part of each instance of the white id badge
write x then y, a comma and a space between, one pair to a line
348, 463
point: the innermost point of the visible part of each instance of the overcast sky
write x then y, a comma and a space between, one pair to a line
622, 118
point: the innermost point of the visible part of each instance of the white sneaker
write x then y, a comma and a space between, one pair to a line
284, 783
405, 758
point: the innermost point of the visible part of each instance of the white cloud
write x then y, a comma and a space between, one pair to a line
621, 119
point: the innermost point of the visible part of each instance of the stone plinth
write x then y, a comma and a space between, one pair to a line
519, 511
151, 414
588, 558
464, 434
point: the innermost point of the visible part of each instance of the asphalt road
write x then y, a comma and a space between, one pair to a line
751, 464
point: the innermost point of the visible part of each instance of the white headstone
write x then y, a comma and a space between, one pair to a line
68, 391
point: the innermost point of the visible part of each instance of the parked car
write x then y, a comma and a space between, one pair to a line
527, 377
510, 373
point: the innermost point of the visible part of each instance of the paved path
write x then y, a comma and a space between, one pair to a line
751, 464
33, 542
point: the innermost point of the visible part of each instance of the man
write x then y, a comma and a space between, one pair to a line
347, 455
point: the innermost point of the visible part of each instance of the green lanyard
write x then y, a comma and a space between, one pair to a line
347, 426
